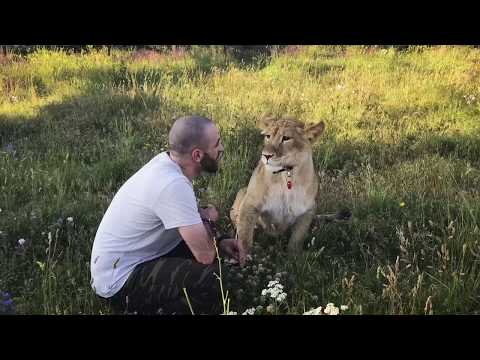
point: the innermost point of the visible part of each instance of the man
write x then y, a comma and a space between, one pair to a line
154, 247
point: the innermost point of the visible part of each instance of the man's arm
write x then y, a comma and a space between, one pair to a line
178, 208
199, 242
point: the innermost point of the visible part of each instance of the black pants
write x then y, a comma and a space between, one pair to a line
156, 286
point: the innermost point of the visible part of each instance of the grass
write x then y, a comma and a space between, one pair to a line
401, 150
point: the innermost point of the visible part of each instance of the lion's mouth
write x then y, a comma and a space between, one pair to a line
273, 169
276, 164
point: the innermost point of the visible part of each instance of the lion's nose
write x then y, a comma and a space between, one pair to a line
268, 156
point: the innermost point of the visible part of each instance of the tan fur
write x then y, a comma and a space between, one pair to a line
267, 201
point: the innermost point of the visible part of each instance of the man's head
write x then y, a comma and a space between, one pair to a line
197, 140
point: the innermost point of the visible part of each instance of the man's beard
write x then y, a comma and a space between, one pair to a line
209, 164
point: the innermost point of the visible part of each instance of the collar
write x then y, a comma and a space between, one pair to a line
286, 168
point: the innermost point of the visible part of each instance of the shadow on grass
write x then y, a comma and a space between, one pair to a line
347, 155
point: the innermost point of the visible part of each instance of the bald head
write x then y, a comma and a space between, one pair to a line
189, 132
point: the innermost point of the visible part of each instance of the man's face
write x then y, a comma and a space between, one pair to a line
214, 151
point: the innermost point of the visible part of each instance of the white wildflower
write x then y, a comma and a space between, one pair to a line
231, 313
317, 311
331, 309
250, 311
270, 308
334, 311
275, 291
272, 283
469, 99
21, 242
343, 307
70, 219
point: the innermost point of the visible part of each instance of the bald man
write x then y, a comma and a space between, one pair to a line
153, 241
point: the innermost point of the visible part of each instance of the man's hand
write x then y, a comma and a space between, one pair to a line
209, 213
229, 246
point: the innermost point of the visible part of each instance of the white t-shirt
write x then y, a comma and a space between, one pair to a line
141, 223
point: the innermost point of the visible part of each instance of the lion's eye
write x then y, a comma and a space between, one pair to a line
267, 137
285, 138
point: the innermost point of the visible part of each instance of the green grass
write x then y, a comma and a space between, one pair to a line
401, 150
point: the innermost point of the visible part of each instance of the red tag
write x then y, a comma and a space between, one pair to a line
289, 184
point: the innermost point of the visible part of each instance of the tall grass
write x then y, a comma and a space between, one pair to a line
400, 150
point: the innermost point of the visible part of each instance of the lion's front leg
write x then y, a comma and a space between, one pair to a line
299, 231
247, 218
237, 205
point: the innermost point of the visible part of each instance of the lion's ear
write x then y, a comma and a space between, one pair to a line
265, 122
314, 131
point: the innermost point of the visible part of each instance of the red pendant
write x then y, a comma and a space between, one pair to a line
289, 184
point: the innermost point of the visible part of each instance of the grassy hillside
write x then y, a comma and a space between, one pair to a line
401, 150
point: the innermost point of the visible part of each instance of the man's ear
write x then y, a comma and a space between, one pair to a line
197, 155
313, 132
265, 122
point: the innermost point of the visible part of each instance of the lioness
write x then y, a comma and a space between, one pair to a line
283, 188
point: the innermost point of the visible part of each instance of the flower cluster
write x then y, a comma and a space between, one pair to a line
275, 291
246, 283
330, 309
317, 311
230, 261
250, 311
470, 99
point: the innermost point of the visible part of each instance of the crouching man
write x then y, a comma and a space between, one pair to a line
153, 241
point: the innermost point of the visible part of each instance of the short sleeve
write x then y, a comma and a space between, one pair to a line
176, 205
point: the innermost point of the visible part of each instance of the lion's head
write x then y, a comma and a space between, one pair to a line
288, 141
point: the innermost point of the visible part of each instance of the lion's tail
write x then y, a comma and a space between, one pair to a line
340, 216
